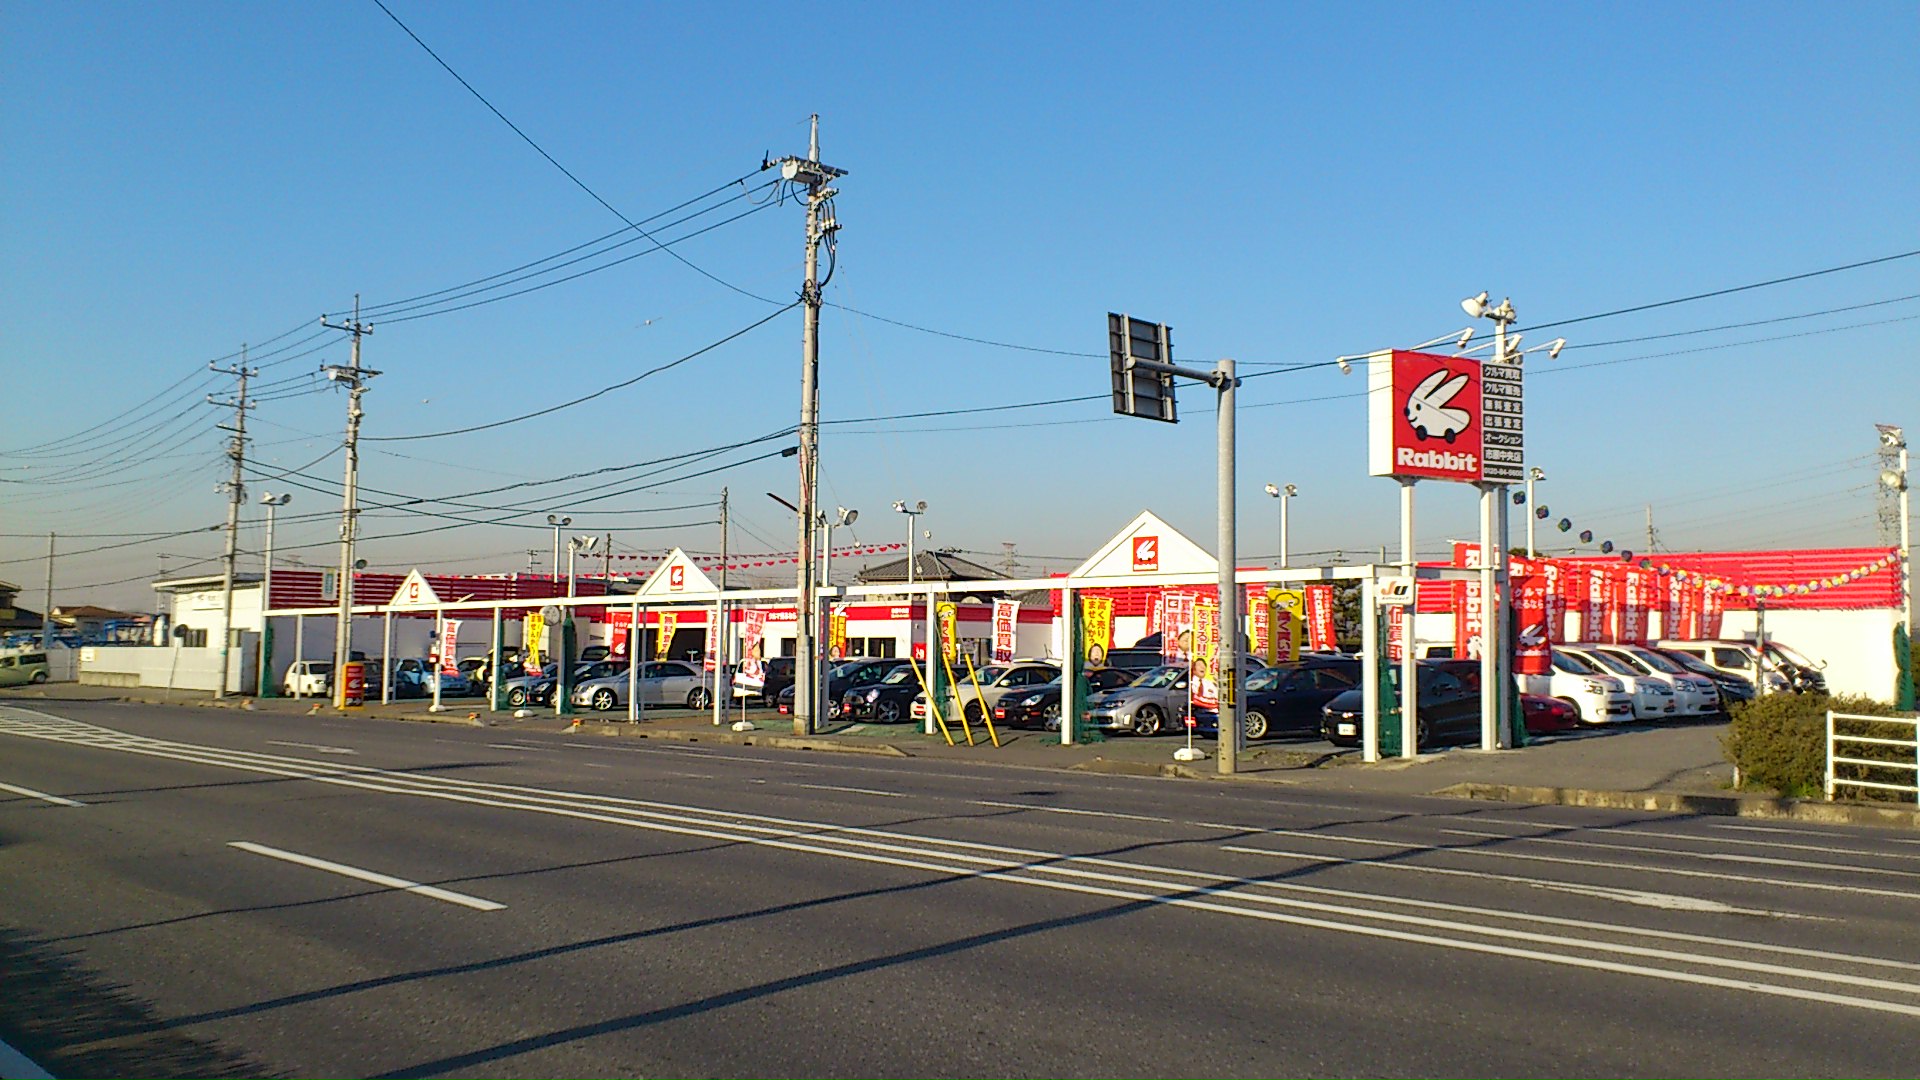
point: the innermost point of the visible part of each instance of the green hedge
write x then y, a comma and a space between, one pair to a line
1780, 742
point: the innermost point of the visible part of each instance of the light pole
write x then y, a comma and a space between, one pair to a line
1894, 437
577, 544
912, 512
1493, 555
913, 515
558, 523
842, 517
1282, 494
1534, 476
264, 677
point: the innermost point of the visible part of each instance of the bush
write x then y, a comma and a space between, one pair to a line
1780, 741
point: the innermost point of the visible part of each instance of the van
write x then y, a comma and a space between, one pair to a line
19, 669
1737, 658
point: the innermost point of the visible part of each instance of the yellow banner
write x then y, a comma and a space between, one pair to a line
837, 636
949, 630
663, 642
1288, 607
1096, 628
535, 629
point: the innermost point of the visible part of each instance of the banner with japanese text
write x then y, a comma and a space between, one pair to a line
1672, 591
1096, 629
1551, 574
1258, 605
1632, 606
1205, 678
1691, 596
1289, 616
1006, 624
1321, 636
663, 639
1712, 608
837, 635
1598, 622
1176, 627
949, 618
1156, 614
532, 633
1468, 616
751, 674
1396, 632
1533, 654
449, 646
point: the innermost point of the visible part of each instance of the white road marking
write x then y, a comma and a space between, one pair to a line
1200, 890
1069, 810
1812, 832
313, 746
41, 795
522, 749
358, 874
1711, 856
1694, 838
852, 790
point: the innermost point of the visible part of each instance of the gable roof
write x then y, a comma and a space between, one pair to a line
928, 566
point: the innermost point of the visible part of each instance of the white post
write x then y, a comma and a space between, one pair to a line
386, 660
1906, 546
299, 647
1533, 513
633, 664
1409, 661
1286, 496
1829, 773
433, 658
1370, 666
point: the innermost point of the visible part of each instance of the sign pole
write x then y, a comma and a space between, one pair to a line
1409, 661
1229, 708
1370, 666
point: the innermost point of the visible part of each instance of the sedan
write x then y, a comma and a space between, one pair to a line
1040, 708
1449, 706
886, 701
662, 682
1652, 698
1286, 699
1693, 695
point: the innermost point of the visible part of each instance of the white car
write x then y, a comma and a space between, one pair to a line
660, 682
1732, 657
1693, 695
309, 678
1596, 698
1652, 699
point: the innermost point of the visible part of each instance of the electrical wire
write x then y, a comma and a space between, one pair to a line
1722, 292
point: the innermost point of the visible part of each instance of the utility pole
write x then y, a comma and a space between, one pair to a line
722, 646
1649, 528
236, 491
356, 378
821, 225
606, 564
46, 615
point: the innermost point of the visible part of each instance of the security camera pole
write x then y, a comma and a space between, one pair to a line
355, 377
821, 224
1143, 386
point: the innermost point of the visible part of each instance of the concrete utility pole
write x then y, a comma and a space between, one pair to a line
265, 675
236, 491
821, 225
356, 378
722, 646
46, 615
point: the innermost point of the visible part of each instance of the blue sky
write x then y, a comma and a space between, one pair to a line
1281, 183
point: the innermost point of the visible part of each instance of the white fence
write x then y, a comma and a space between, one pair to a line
159, 666
1912, 745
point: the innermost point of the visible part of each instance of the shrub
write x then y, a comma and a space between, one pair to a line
1780, 741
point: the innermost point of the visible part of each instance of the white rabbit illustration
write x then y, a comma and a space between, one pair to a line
1532, 635
1427, 408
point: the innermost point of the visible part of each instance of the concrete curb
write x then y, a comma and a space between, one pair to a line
782, 742
1753, 806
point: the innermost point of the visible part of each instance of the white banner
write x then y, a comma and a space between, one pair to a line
752, 673
449, 652
1006, 621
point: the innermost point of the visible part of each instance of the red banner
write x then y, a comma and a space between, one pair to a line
1630, 588
1711, 609
1468, 614
1533, 656
1320, 632
1688, 626
1157, 615
1396, 632
1554, 577
1597, 624
1671, 589
751, 674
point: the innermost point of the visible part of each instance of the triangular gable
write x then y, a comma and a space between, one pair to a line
1147, 546
414, 592
676, 577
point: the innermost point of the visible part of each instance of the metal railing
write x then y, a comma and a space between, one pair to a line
1912, 745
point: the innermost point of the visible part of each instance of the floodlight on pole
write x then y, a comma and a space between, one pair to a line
1458, 337
558, 523
1534, 476
1282, 494
912, 512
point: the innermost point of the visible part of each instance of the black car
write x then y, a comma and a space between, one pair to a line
778, 673
1449, 707
845, 677
1040, 708
1286, 699
1733, 688
885, 701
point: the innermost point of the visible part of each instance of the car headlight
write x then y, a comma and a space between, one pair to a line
1595, 686
1030, 699
871, 696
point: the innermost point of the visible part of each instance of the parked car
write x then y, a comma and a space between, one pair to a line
1652, 699
1135, 658
1693, 695
23, 668
413, 678
1595, 697
842, 678
1545, 715
980, 691
1449, 706
1285, 699
308, 678
887, 700
660, 682
1155, 701
1733, 688
1783, 671
1040, 708
778, 673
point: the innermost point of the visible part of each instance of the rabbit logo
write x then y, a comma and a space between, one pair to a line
1533, 635
1428, 409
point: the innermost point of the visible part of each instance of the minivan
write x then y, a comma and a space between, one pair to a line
19, 669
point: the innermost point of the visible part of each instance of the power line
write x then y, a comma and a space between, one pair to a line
1723, 292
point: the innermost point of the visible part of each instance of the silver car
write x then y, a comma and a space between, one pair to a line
1157, 701
661, 682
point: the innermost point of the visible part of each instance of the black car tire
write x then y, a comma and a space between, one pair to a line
886, 711
1256, 725
1147, 720
516, 696
976, 713
603, 699
1050, 717
699, 698
1422, 733
39, 677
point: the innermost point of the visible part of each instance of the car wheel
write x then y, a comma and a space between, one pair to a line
1256, 724
603, 699
516, 697
699, 698
39, 677
1422, 733
1050, 717
975, 713
886, 711
1147, 720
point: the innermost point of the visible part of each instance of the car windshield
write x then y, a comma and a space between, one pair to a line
1657, 662
1632, 660
990, 675
1572, 665
320, 669
1612, 663
1691, 663
869, 673
1265, 680
902, 674
1160, 676
1779, 653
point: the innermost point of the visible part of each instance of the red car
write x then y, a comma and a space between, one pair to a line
1545, 714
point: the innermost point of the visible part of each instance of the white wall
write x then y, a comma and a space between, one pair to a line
157, 666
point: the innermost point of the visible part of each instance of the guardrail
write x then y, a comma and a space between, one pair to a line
1834, 738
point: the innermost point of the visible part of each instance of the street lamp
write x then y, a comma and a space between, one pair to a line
558, 523
842, 516
263, 676
577, 544
1895, 438
912, 512
1534, 475
1494, 661
1283, 494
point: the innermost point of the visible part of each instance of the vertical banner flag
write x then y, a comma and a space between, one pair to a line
1096, 628
1205, 676
1688, 628
1258, 604
1157, 614
1469, 607
1397, 632
1006, 621
531, 633
1633, 607
663, 640
837, 634
1289, 615
949, 617
1320, 632
709, 652
1671, 591
1550, 574
1534, 654
1712, 607
751, 675
449, 646
1598, 620
1176, 627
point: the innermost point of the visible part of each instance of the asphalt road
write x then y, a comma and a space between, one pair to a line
237, 895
